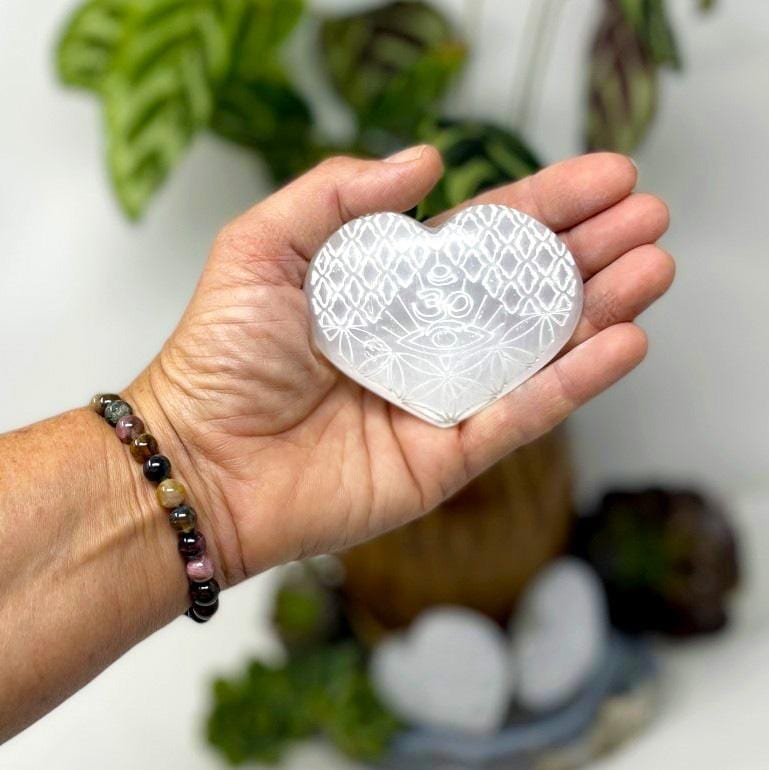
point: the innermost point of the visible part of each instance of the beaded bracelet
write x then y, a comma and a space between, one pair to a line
204, 590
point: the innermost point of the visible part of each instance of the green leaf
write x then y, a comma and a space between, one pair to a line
257, 106
649, 20
88, 42
477, 157
306, 613
325, 691
160, 91
259, 27
392, 64
269, 115
623, 87
160, 66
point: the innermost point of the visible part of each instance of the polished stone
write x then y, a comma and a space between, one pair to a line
143, 447
170, 493
443, 322
128, 427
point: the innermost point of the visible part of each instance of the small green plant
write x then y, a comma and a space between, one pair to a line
167, 70
324, 691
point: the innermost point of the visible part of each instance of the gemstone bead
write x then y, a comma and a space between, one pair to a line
192, 545
128, 427
170, 493
101, 401
202, 614
204, 594
157, 468
183, 518
115, 410
143, 447
200, 570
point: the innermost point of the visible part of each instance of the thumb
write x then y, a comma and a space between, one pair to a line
300, 217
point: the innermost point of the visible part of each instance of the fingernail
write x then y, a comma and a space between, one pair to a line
632, 160
407, 156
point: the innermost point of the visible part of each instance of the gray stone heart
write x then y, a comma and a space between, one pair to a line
443, 321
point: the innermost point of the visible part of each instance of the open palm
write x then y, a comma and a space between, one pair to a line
286, 456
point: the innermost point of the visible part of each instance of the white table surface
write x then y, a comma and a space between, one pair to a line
148, 707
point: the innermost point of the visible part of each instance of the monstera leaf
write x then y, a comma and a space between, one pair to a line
164, 68
649, 20
477, 156
623, 87
392, 64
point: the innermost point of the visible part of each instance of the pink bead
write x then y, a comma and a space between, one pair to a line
200, 570
128, 428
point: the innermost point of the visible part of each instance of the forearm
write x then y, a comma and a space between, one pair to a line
89, 562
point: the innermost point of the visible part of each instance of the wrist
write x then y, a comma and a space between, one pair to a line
168, 416
136, 529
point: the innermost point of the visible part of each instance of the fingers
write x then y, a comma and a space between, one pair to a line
623, 290
301, 216
550, 396
567, 193
637, 220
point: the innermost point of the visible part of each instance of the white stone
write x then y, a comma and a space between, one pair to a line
443, 321
451, 670
559, 634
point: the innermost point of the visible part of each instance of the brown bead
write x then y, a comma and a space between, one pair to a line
101, 401
170, 493
143, 447
183, 518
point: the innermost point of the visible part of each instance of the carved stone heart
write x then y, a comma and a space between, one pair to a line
452, 669
443, 322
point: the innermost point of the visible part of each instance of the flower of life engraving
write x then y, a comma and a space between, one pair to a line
443, 322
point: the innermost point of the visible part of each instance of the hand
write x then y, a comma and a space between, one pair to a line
287, 457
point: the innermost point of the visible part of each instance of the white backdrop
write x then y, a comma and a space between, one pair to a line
86, 299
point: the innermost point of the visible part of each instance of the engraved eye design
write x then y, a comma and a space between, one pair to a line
441, 275
445, 336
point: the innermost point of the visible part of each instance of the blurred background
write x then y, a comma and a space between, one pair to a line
94, 274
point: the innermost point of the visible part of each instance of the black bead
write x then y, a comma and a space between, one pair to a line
192, 544
204, 594
190, 613
157, 468
202, 614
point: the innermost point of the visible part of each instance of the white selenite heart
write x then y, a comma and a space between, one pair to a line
560, 632
443, 321
450, 670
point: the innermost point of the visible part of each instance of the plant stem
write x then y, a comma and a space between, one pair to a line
539, 27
